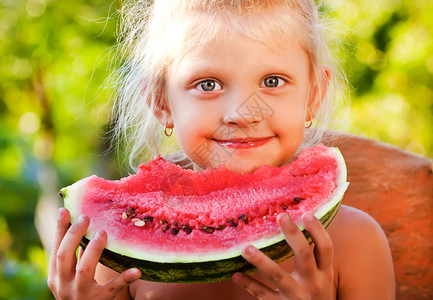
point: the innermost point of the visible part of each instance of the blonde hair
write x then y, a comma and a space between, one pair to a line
153, 36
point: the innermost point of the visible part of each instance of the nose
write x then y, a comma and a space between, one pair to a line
246, 110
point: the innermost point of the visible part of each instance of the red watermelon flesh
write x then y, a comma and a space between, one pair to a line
192, 216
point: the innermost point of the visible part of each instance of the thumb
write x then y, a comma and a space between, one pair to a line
118, 283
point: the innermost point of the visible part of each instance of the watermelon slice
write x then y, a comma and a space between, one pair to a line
181, 225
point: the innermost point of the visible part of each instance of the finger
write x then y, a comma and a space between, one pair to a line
323, 248
66, 254
283, 281
118, 283
254, 287
87, 265
62, 228
305, 263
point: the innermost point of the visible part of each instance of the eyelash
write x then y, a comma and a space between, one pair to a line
281, 81
218, 86
199, 86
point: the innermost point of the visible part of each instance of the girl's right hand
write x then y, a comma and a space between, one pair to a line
68, 279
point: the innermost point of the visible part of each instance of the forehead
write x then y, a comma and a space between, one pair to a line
196, 30
241, 50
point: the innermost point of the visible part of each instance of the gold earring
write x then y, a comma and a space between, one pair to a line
170, 132
309, 122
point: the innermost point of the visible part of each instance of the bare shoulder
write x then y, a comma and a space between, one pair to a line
349, 218
362, 256
355, 230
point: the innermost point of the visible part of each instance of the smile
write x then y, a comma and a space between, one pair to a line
244, 143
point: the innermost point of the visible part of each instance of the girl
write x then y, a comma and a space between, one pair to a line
240, 80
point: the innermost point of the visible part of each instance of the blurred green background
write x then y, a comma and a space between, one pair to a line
54, 109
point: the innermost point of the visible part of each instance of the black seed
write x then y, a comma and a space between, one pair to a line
231, 222
284, 207
208, 229
220, 227
175, 224
162, 222
244, 218
298, 199
131, 212
186, 228
174, 230
165, 228
148, 219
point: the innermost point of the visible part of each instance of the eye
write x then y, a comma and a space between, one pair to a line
209, 85
272, 82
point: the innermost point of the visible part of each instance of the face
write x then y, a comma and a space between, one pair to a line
240, 103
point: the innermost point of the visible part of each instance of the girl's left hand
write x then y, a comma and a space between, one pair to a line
313, 276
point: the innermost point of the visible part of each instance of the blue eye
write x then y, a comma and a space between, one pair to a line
209, 85
272, 82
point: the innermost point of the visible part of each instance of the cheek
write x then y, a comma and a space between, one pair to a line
193, 125
290, 117
289, 125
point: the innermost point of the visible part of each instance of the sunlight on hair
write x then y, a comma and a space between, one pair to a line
154, 37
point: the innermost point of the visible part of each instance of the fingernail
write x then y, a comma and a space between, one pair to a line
284, 218
60, 214
99, 235
240, 280
135, 273
249, 250
236, 277
308, 216
81, 219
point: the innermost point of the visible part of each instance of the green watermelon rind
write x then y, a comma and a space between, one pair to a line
207, 271
202, 267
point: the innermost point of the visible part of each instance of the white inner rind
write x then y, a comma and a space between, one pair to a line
73, 195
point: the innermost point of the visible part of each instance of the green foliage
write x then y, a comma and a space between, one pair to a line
390, 66
53, 110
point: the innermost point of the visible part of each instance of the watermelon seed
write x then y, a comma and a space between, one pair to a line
131, 212
139, 223
244, 218
124, 215
174, 230
208, 229
186, 228
148, 219
165, 228
220, 227
162, 222
135, 220
284, 207
298, 199
231, 222
175, 224
264, 217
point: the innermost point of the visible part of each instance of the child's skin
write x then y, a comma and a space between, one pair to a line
349, 260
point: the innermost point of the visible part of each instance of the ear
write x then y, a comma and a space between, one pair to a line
320, 87
160, 107
163, 114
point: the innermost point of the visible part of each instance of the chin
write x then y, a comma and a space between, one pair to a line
244, 167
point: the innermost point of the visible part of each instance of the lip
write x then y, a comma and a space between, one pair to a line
244, 143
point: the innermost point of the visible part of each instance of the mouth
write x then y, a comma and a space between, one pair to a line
243, 143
